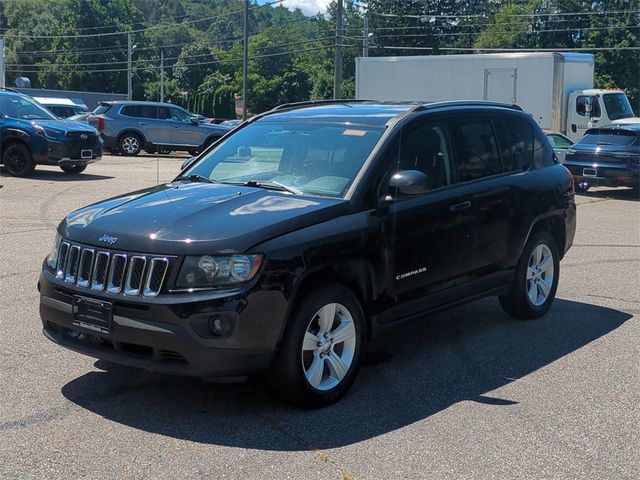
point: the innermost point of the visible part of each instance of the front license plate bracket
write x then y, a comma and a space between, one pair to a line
92, 314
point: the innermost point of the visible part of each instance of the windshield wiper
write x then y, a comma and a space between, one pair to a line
268, 185
195, 177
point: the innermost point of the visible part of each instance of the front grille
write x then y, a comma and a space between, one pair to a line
115, 272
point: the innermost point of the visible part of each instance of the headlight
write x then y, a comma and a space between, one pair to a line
214, 271
40, 130
52, 258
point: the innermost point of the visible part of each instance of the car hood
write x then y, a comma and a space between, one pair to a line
63, 126
197, 218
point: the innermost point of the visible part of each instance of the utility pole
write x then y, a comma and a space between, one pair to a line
129, 66
162, 76
365, 39
2, 63
337, 77
245, 59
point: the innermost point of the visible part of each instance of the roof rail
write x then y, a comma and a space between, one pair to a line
465, 103
7, 89
313, 103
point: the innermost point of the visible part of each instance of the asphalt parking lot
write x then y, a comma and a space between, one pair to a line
470, 393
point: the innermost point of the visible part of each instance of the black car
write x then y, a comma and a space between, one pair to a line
31, 135
308, 232
608, 156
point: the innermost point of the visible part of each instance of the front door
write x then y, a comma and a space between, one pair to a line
183, 132
430, 234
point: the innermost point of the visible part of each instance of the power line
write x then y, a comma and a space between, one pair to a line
558, 14
475, 49
229, 60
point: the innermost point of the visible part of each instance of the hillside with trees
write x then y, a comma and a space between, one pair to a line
82, 44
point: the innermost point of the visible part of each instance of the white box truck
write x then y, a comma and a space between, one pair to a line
555, 88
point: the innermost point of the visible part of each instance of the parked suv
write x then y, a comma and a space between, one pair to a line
30, 135
128, 127
608, 156
308, 232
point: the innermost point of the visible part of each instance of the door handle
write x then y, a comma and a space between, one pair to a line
460, 206
141, 123
176, 126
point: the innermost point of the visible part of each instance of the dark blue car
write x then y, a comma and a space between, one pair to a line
31, 135
608, 156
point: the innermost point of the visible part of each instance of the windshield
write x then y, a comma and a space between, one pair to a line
24, 108
617, 106
312, 158
609, 137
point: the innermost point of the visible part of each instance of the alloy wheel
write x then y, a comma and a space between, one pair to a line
540, 272
329, 346
130, 145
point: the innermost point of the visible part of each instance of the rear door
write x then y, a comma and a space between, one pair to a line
486, 163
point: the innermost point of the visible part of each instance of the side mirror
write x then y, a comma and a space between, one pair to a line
406, 183
588, 106
187, 163
194, 121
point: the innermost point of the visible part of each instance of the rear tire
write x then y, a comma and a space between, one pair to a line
17, 160
130, 144
73, 169
535, 279
319, 357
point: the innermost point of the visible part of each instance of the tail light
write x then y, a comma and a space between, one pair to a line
101, 123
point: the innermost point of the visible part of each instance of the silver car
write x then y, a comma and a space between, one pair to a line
128, 127
560, 143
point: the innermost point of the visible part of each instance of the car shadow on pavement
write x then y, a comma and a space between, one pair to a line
52, 175
460, 355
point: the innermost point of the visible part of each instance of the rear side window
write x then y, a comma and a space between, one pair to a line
522, 135
477, 149
140, 111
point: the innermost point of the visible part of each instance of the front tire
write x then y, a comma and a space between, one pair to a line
130, 144
73, 169
18, 161
319, 357
535, 280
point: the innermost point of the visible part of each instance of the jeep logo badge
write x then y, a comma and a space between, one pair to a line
84, 136
108, 239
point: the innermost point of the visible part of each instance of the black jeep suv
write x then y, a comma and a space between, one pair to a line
306, 233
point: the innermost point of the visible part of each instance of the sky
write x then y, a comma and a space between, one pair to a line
308, 7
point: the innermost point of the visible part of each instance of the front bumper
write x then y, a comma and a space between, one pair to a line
167, 338
68, 152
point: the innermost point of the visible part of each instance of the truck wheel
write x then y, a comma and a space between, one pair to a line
535, 280
130, 144
319, 356
73, 169
17, 160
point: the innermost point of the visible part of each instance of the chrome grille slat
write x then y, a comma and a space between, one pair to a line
111, 271
155, 276
62, 259
99, 278
116, 273
71, 267
86, 266
135, 275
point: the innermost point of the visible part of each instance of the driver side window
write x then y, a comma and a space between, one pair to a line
424, 146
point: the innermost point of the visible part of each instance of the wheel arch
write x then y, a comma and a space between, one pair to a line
355, 275
15, 136
554, 225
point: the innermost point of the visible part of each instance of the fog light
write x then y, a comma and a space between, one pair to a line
220, 325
